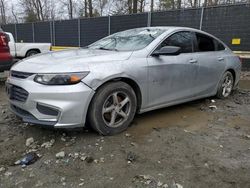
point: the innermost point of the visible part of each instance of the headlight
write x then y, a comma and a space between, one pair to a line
60, 79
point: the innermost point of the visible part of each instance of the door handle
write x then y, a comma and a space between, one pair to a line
192, 61
220, 58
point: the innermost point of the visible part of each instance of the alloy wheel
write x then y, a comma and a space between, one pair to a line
227, 86
116, 109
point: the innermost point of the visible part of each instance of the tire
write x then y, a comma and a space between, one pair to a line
31, 53
113, 108
225, 86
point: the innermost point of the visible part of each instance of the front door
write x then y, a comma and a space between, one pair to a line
172, 78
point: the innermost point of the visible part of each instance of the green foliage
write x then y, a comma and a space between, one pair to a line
30, 17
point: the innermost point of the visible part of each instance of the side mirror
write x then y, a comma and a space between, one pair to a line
167, 50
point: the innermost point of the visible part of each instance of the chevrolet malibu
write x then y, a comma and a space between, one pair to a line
106, 83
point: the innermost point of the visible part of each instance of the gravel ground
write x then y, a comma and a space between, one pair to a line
189, 145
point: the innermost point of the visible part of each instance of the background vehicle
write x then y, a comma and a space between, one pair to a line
106, 83
5, 56
21, 50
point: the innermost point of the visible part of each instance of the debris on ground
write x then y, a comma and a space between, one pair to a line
127, 135
60, 155
89, 159
48, 144
131, 156
2, 169
213, 107
29, 141
28, 159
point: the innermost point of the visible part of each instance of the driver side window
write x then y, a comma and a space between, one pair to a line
182, 39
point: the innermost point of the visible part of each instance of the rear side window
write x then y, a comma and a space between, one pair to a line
219, 46
204, 43
183, 39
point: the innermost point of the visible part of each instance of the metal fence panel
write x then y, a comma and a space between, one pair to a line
42, 32
10, 28
66, 33
24, 32
185, 18
228, 22
93, 29
120, 23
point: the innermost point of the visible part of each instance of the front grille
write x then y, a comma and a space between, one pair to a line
17, 93
21, 75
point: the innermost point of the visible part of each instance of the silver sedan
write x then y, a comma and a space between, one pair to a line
108, 82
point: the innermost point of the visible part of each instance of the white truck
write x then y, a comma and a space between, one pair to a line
22, 50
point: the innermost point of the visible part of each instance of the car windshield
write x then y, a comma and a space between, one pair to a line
130, 40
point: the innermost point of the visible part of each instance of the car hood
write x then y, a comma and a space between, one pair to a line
68, 60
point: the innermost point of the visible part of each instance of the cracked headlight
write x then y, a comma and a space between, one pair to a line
60, 78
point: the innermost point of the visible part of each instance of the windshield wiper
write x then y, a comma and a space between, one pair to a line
110, 49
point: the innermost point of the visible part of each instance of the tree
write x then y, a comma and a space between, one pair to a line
100, 5
90, 8
167, 4
37, 10
14, 14
152, 6
2, 11
135, 2
130, 6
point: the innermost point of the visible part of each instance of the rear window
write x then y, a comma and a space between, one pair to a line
204, 43
218, 45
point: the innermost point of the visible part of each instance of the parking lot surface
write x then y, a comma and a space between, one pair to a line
205, 143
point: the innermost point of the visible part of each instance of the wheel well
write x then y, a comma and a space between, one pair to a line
134, 86
35, 49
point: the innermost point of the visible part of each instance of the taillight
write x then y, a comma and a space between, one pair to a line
4, 47
3, 39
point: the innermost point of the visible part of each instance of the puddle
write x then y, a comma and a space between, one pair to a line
188, 115
244, 84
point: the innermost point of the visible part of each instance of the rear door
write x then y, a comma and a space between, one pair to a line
173, 77
209, 54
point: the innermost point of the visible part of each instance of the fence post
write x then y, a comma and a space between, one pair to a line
79, 32
149, 19
109, 25
201, 19
54, 33
51, 34
15, 33
33, 32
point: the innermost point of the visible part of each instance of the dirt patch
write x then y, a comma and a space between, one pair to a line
189, 145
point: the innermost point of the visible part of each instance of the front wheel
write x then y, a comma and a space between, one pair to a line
113, 108
226, 85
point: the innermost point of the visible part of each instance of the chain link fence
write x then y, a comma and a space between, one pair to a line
227, 22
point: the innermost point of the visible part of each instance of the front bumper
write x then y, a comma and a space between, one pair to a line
58, 106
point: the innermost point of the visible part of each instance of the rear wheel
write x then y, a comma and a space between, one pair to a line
31, 53
226, 85
112, 108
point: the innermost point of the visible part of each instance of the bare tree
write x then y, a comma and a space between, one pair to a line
130, 6
37, 10
152, 6
70, 9
90, 8
100, 5
135, 2
2, 11
14, 14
